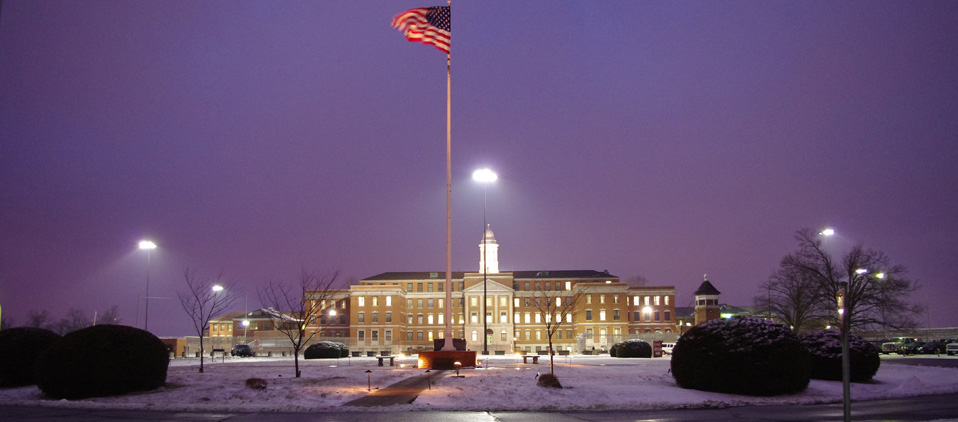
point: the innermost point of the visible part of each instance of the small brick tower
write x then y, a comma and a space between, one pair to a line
706, 302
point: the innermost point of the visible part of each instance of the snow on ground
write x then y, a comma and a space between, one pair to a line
590, 382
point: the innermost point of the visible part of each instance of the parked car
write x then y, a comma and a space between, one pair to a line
932, 348
893, 345
951, 348
241, 350
910, 348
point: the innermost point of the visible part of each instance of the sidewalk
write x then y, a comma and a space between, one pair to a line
402, 392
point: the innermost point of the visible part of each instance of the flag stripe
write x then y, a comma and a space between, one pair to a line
428, 25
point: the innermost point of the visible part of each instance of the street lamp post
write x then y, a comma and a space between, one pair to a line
332, 314
148, 246
846, 367
484, 176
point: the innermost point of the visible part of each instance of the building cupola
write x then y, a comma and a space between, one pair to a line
489, 253
706, 302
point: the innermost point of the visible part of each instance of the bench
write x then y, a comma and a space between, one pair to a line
381, 358
535, 359
563, 352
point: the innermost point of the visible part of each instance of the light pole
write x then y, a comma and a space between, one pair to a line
148, 246
332, 314
484, 176
842, 296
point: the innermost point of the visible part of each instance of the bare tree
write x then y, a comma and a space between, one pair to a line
792, 296
296, 305
555, 308
38, 319
74, 320
204, 299
109, 316
7, 323
878, 291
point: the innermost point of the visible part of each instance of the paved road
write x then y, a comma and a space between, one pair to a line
926, 408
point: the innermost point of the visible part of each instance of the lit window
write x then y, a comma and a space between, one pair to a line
588, 299
375, 301
538, 318
429, 319
360, 301
389, 301
602, 298
602, 315
515, 302
657, 298
528, 318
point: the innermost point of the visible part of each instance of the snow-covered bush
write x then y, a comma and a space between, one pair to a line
103, 360
326, 350
19, 348
825, 348
634, 348
741, 356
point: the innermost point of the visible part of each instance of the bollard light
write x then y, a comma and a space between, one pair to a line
428, 380
369, 382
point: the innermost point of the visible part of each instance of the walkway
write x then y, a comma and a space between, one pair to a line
402, 392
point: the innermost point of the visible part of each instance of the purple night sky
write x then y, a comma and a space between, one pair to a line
663, 139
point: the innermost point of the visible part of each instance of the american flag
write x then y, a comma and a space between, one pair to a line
428, 25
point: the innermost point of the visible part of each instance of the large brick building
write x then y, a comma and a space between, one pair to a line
405, 311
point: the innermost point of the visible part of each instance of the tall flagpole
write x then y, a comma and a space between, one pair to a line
449, 345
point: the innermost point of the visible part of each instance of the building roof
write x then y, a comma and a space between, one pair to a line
707, 289
458, 275
401, 275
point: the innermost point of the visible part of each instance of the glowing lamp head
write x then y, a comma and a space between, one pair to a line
217, 288
146, 244
827, 232
484, 176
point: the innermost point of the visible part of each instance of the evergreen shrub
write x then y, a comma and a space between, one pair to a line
19, 349
103, 360
634, 348
744, 355
326, 350
825, 349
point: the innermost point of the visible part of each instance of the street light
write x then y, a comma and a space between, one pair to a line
841, 297
148, 246
827, 232
484, 176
